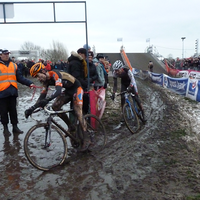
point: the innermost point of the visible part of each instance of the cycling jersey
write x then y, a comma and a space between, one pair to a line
127, 78
61, 80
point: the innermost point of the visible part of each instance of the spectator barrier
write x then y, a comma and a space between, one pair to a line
185, 86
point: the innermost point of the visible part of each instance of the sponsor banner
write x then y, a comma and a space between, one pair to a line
97, 102
192, 89
177, 85
198, 91
183, 73
194, 75
157, 78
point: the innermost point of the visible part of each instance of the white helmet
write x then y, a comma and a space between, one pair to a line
117, 65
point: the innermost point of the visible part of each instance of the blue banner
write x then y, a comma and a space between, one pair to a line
157, 78
198, 92
177, 85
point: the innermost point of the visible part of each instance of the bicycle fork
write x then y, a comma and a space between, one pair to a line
129, 104
48, 134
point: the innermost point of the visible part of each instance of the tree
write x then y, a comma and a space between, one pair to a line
55, 53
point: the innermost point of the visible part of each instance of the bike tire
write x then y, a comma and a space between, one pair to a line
97, 132
130, 118
45, 158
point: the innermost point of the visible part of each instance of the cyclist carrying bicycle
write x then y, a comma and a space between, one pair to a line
128, 83
73, 92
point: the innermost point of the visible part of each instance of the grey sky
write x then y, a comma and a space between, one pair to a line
164, 22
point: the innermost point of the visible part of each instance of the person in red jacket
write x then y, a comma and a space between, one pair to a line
47, 65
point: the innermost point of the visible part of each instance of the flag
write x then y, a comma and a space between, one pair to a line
119, 39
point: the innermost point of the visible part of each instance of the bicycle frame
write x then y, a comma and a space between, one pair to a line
137, 109
50, 120
126, 95
135, 104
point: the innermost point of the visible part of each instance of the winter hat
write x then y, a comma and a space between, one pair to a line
82, 50
85, 46
100, 56
90, 53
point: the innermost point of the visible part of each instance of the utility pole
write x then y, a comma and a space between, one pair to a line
196, 46
183, 38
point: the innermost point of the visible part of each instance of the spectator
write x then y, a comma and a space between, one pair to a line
9, 92
85, 46
82, 52
101, 59
101, 80
30, 63
92, 68
47, 65
21, 67
58, 66
66, 66
150, 66
78, 68
13, 59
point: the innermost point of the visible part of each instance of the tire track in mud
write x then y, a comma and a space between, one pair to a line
126, 158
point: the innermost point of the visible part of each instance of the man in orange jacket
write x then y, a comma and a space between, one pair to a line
9, 76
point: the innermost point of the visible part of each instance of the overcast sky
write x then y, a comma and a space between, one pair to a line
164, 22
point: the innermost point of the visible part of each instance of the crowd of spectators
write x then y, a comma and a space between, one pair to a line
191, 63
24, 65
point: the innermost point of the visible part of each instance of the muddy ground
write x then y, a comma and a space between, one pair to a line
160, 162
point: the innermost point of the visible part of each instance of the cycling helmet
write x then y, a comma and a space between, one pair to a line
36, 68
117, 65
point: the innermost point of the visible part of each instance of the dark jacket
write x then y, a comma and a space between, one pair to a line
93, 73
11, 90
75, 68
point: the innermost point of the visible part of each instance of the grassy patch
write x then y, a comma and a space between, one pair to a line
190, 100
178, 133
194, 197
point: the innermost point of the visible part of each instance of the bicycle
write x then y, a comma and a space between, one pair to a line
131, 112
45, 144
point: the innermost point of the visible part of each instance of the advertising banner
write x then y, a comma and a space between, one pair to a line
157, 78
97, 102
177, 85
192, 89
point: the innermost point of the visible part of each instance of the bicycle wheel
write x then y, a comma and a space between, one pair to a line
96, 131
130, 118
41, 157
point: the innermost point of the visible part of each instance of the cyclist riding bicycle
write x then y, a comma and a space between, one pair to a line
128, 83
73, 92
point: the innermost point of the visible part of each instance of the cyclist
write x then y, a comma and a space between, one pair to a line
127, 83
73, 92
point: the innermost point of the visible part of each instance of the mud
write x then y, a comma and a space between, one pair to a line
160, 162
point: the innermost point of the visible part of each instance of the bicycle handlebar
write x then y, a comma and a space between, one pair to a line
51, 112
47, 109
